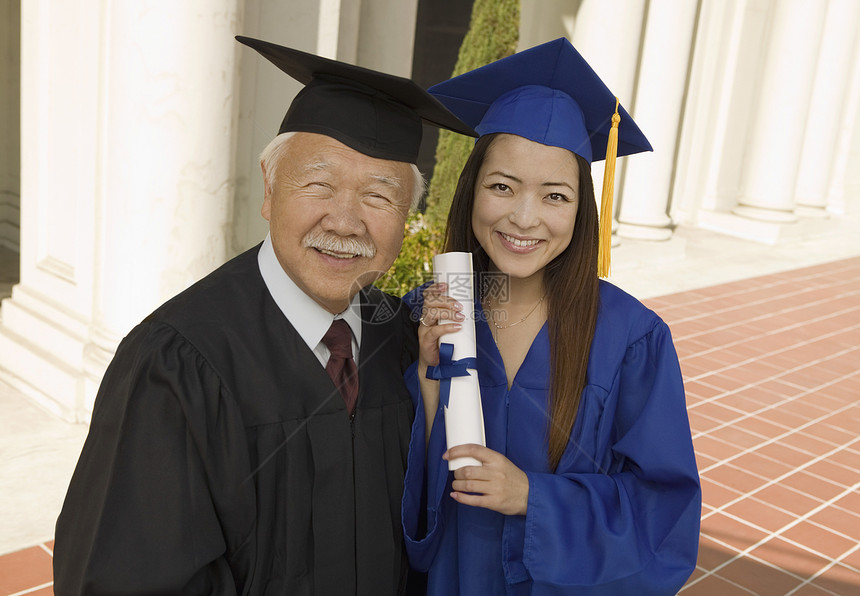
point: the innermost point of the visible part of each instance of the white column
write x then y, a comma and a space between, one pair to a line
843, 193
783, 102
826, 109
167, 176
659, 97
544, 20
607, 33
377, 34
386, 35
338, 29
723, 80
45, 323
127, 121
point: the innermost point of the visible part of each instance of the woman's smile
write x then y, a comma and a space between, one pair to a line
525, 204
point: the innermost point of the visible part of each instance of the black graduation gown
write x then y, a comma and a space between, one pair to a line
221, 458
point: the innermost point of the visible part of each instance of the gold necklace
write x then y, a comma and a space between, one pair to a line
497, 326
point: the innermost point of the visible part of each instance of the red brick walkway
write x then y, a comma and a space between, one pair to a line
28, 571
772, 370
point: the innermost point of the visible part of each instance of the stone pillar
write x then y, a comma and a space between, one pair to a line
721, 85
167, 161
658, 104
607, 33
377, 34
337, 28
127, 147
827, 107
843, 192
785, 92
386, 35
544, 20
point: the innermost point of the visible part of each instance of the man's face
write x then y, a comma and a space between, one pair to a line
336, 216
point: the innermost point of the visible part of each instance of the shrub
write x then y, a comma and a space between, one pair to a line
414, 266
493, 34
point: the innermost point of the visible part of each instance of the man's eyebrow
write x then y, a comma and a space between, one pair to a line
316, 166
388, 180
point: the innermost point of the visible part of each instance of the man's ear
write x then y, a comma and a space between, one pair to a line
266, 209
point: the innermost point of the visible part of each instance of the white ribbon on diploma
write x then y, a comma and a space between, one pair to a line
464, 417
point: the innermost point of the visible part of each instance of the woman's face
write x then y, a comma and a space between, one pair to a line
526, 197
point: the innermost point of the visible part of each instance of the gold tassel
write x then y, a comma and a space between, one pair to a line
605, 235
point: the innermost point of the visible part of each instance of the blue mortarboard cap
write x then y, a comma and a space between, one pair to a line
548, 94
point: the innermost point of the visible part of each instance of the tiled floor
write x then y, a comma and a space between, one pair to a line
27, 571
772, 370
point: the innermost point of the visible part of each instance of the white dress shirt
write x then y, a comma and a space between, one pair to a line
309, 319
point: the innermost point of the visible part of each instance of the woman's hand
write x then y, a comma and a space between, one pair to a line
496, 484
437, 307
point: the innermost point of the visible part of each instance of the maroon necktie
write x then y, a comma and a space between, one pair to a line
341, 367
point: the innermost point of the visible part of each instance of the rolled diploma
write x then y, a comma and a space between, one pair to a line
464, 417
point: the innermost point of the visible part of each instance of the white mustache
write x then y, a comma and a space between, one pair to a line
333, 243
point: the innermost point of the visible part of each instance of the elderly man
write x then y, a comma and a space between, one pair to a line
250, 435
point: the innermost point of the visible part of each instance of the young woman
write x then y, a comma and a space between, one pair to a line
588, 483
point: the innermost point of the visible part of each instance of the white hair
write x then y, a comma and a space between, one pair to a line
271, 157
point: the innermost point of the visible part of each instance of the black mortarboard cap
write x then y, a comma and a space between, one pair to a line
375, 113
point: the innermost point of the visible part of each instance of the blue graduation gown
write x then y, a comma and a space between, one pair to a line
621, 513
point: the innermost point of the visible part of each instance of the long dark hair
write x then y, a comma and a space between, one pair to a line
572, 291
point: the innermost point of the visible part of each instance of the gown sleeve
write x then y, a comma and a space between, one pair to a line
632, 528
422, 506
162, 460
424, 485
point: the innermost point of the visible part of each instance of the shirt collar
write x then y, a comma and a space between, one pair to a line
309, 319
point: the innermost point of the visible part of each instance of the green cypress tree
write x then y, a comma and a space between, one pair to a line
493, 34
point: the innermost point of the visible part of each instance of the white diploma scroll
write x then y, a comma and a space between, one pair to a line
464, 418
